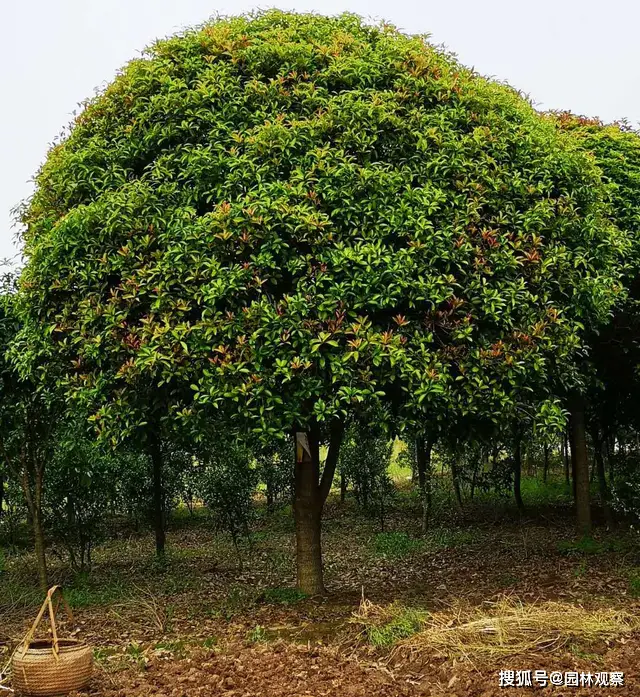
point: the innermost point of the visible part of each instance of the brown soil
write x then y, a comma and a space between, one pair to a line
180, 638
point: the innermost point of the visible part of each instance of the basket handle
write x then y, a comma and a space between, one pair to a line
52, 617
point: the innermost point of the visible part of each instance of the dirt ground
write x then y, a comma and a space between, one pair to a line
208, 625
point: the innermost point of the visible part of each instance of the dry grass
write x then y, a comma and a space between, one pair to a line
505, 627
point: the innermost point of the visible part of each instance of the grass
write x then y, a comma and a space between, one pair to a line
386, 626
634, 583
283, 596
236, 601
535, 492
258, 635
84, 592
581, 570
136, 653
448, 538
395, 545
177, 648
590, 545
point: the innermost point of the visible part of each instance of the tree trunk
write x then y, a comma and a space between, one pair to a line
572, 447
34, 507
307, 511
343, 487
158, 495
517, 473
598, 445
38, 534
565, 447
310, 495
474, 481
456, 486
610, 458
423, 463
581, 465
1, 493
270, 496
545, 473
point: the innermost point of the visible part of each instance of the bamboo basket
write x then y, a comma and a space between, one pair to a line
51, 667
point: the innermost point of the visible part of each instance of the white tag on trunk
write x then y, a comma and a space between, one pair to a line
302, 444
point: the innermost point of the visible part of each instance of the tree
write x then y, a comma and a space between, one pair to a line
28, 411
609, 401
278, 220
81, 485
227, 483
363, 461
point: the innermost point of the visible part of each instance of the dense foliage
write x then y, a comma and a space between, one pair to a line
294, 214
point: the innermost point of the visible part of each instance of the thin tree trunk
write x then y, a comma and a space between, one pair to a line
456, 486
158, 495
598, 445
565, 448
517, 473
581, 464
41, 558
572, 446
474, 480
34, 506
610, 458
1, 493
545, 473
343, 487
423, 465
270, 496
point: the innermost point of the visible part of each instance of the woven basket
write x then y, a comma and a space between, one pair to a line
51, 667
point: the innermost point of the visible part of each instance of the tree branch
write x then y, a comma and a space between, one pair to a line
335, 441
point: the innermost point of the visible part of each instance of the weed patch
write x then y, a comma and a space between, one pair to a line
238, 600
283, 596
257, 635
589, 545
395, 545
634, 583
386, 626
446, 538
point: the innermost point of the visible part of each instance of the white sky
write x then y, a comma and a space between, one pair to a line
580, 55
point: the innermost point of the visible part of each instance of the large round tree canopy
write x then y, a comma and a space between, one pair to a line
288, 215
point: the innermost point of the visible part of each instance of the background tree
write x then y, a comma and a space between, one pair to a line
227, 483
29, 410
364, 460
81, 485
614, 350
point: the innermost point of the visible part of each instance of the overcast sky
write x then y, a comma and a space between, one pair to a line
569, 54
